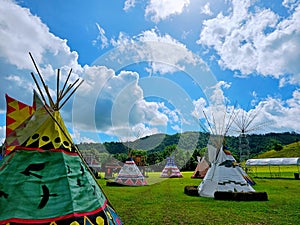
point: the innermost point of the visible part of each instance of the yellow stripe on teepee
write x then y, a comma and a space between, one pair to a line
52, 131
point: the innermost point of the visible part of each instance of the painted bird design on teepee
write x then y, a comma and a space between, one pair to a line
45, 196
3, 194
34, 167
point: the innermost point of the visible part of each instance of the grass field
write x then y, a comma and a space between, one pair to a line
164, 202
273, 171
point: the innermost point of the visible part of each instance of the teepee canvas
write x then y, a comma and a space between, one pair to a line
43, 177
170, 170
201, 168
229, 157
223, 175
130, 174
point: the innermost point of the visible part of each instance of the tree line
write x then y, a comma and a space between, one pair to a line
184, 147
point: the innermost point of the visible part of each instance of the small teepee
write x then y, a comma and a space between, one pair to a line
170, 170
201, 168
130, 174
43, 177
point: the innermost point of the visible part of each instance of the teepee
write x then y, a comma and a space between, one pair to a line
201, 168
44, 179
130, 174
224, 174
170, 170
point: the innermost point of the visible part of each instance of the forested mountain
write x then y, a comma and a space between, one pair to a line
186, 146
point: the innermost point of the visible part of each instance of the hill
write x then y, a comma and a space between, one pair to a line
258, 143
188, 145
290, 150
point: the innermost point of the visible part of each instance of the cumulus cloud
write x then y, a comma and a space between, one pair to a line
159, 10
280, 115
103, 91
164, 53
269, 115
114, 104
21, 33
256, 41
214, 114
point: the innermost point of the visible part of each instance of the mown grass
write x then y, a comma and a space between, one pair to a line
273, 171
164, 202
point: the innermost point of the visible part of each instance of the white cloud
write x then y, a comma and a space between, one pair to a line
101, 37
214, 115
269, 115
122, 40
290, 4
218, 98
164, 53
21, 32
255, 42
199, 105
159, 10
2, 134
206, 9
281, 115
295, 101
129, 4
117, 103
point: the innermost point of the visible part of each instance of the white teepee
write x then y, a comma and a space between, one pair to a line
224, 173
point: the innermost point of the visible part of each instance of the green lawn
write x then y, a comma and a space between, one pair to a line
273, 171
164, 202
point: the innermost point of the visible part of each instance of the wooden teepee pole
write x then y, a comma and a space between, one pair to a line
36, 83
57, 89
42, 80
70, 95
65, 84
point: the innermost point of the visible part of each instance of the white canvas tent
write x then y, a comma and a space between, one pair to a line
223, 175
277, 166
273, 162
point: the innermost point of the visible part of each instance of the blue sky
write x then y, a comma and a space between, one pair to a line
154, 66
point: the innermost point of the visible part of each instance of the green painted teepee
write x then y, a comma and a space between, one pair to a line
43, 177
